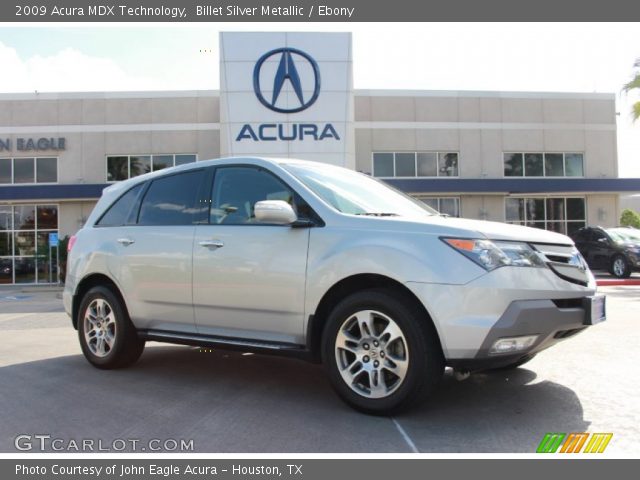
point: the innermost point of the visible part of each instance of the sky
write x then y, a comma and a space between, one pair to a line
557, 57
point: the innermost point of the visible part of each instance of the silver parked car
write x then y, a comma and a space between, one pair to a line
307, 259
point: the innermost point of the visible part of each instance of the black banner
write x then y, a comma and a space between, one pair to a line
317, 11
312, 469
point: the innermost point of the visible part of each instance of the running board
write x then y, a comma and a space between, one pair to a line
228, 343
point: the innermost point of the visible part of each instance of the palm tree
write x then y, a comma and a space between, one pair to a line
634, 84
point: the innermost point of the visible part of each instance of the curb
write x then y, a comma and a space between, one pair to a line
628, 282
44, 288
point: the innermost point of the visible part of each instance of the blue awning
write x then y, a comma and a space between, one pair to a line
409, 185
52, 192
515, 185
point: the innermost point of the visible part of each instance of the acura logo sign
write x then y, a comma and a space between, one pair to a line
286, 80
290, 60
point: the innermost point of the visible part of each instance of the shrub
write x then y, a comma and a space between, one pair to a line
629, 218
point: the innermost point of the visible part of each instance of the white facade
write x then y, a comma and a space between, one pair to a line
547, 160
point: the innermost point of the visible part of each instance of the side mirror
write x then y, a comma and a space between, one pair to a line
603, 241
274, 211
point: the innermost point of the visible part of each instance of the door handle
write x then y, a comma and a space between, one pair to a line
211, 243
125, 241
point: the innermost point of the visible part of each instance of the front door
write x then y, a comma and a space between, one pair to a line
248, 277
599, 250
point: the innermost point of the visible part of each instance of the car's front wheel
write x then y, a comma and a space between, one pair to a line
381, 354
107, 337
620, 267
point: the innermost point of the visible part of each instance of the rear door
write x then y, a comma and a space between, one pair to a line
249, 278
154, 255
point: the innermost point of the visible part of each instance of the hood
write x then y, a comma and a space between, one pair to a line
462, 227
629, 243
501, 231
506, 231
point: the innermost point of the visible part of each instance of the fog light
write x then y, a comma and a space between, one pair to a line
513, 344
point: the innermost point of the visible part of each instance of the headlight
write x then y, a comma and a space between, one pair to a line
493, 254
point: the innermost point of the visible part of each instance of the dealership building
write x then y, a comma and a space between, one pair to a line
546, 160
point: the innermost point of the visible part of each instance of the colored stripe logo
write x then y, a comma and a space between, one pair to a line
574, 443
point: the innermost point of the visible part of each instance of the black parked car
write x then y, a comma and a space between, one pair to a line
614, 249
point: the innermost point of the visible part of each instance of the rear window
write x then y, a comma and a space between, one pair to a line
118, 212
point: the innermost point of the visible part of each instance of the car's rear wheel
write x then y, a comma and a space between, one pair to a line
620, 267
107, 337
381, 355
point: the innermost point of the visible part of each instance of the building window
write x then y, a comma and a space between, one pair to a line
415, 164
559, 214
28, 170
122, 167
543, 164
25, 255
446, 205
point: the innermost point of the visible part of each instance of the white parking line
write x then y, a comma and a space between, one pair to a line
406, 436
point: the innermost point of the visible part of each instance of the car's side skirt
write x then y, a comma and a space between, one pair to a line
227, 343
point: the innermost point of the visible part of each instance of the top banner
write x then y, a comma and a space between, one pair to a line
317, 11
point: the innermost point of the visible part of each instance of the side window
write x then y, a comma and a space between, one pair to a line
237, 189
596, 235
581, 236
118, 212
171, 200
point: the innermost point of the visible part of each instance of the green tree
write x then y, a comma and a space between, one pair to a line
629, 218
634, 85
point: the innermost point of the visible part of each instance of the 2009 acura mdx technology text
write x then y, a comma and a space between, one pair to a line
307, 259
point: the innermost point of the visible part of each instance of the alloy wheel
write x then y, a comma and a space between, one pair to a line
99, 327
372, 354
619, 267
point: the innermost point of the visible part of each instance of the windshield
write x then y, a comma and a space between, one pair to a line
624, 234
355, 193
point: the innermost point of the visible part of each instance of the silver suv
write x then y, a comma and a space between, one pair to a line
310, 260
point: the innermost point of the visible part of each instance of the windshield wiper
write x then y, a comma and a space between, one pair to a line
378, 214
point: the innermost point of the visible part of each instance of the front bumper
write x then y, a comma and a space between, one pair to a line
468, 316
550, 320
67, 298
634, 260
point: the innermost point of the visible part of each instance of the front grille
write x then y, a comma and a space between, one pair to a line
557, 258
565, 261
556, 253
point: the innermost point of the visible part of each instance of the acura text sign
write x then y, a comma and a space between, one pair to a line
287, 95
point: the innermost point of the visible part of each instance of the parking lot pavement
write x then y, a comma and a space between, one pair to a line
230, 402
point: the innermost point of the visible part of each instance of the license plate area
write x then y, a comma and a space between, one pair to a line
595, 309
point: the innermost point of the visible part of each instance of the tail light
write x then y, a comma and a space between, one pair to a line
71, 243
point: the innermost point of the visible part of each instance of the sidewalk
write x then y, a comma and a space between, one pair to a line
11, 289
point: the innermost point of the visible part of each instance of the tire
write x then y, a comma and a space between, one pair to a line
514, 365
103, 316
371, 387
619, 267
